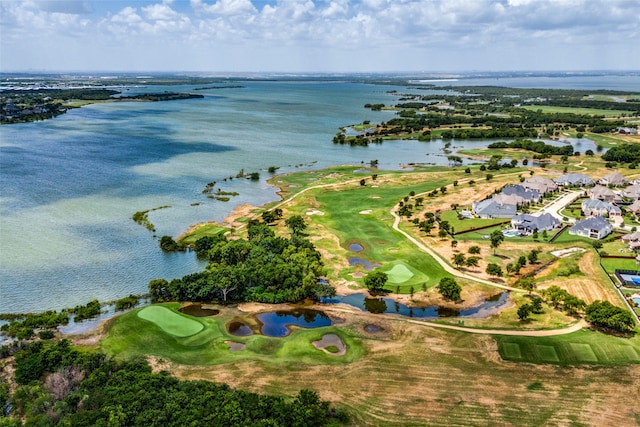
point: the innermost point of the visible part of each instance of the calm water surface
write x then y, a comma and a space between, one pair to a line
69, 186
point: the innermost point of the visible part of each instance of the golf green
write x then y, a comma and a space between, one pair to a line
400, 273
170, 322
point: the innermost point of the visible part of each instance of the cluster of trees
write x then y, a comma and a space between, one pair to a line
526, 309
535, 146
560, 298
603, 314
263, 267
625, 153
59, 385
497, 132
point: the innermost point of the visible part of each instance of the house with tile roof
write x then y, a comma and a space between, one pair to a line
615, 179
591, 207
574, 180
527, 224
594, 228
490, 208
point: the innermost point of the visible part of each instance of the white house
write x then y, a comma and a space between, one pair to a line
594, 228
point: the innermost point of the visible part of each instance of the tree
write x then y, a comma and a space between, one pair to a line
494, 270
524, 311
606, 315
167, 244
296, 224
527, 283
459, 259
449, 288
472, 261
533, 256
475, 250
375, 281
362, 182
496, 238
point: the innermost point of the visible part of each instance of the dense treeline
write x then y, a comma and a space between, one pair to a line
603, 314
60, 386
625, 153
535, 146
263, 267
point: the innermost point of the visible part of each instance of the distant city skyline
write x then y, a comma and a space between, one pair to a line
327, 36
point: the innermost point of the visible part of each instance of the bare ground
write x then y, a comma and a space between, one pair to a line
414, 375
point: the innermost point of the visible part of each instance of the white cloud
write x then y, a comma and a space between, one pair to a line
224, 7
283, 33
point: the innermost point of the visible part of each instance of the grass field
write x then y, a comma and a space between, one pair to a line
612, 264
202, 231
589, 111
170, 321
389, 378
159, 330
582, 347
361, 215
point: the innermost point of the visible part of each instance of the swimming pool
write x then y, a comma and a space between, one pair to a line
510, 233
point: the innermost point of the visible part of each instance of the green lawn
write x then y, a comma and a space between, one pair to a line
612, 264
202, 231
591, 111
170, 322
361, 215
582, 347
133, 335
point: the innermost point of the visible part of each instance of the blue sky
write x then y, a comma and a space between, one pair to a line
319, 35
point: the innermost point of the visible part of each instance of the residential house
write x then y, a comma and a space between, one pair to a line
574, 180
633, 240
594, 228
632, 192
489, 208
522, 194
628, 131
601, 193
529, 223
540, 184
594, 207
615, 179
634, 208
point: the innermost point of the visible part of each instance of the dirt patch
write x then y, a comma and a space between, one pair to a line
331, 344
235, 346
562, 253
158, 365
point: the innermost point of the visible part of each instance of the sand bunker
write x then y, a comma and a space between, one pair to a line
357, 274
235, 346
315, 212
331, 344
566, 252
366, 212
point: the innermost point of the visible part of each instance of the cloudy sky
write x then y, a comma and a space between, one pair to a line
319, 35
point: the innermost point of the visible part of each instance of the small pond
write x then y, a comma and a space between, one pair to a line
355, 247
239, 329
485, 309
367, 265
276, 323
198, 310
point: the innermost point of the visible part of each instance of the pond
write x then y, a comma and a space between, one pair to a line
367, 265
198, 310
239, 329
277, 323
486, 308
355, 247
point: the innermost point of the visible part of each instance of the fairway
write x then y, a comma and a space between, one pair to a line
170, 322
400, 273
582, 347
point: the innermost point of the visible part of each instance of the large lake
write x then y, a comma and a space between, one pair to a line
69, 186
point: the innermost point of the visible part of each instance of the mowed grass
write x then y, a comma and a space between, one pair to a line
582, 347
361, 215
202, 231
170, 321
610, 265
589, 111
132, 335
